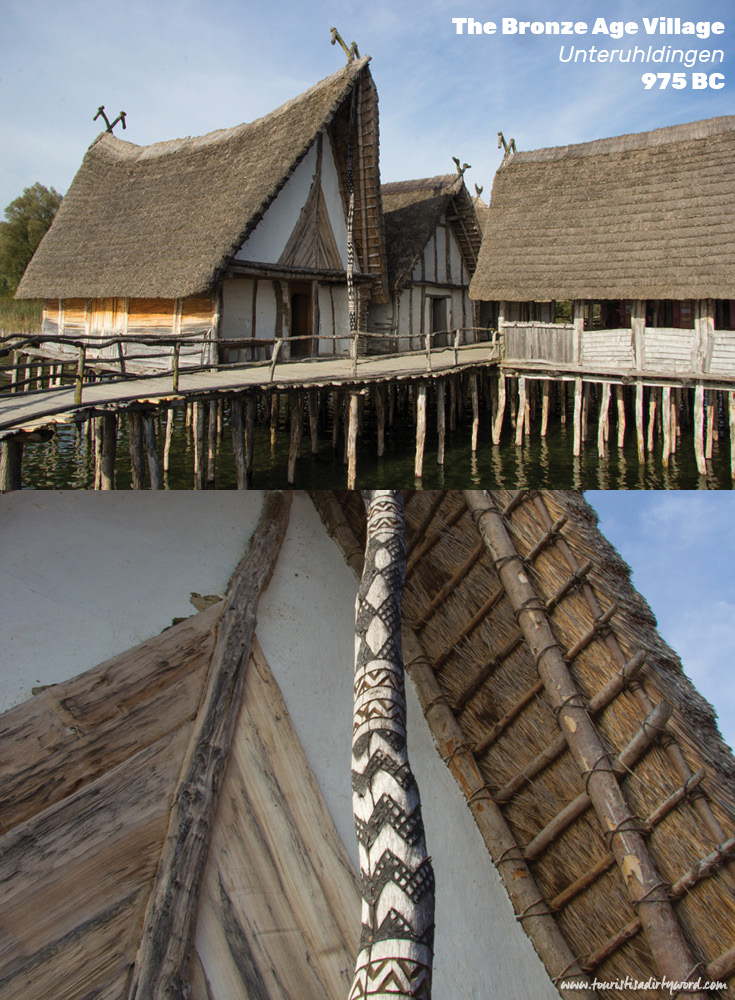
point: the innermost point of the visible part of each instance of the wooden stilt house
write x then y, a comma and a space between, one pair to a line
578, 801
432, 245
617, 254
240, 235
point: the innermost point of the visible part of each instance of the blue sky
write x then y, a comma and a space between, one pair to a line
681, 548
185, 67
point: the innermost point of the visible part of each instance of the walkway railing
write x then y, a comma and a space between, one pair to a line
78, 351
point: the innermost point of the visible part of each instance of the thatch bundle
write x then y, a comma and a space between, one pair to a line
490, 700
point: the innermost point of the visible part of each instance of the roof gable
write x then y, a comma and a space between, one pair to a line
644, 216
163, 220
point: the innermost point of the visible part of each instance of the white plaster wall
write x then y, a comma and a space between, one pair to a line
270, 236
441, 253
268, 240
237, 308
86, 575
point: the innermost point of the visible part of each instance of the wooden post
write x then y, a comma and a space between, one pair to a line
238, 450
11, 461
161, 964
80, 376
545, 399
275, 408
577, 447
380, 417
168, 439
135, 431
731, 396
294, 403
440, 420
639, 422
638, 324
710, 423
563, 403
699, 429
603, 419
352, 422
586, 403
149, 436
200, 470
651, 417
249, 434
621, 414
521, 413
420, 429
475, 393
500, 412
675, 431
666, 416
578, 333
336, 411
108, 427
97, 442
212, 443
314, 420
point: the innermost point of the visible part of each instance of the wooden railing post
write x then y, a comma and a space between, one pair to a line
80, 375
177, 349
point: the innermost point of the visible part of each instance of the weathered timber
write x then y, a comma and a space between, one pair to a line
149, 437
352, 440
238, 449
161, 964
440, 420
699, 429
577, 445
420, 429
108, 428
11, 463
296, 421
168, 440
475, 395
135, 443
521, 415
500, 411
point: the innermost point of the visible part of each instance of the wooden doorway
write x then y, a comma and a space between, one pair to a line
302, 311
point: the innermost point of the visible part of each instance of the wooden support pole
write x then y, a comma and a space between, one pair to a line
475, 394
108, 428
314, 420
699, 429
249, 434
11, 461
638, 869
212, 443
420, 430
336, 412
521, 412
352, 422
161, 964
97, 442
620, 396
639, 422
440, 420
238, 444
275, 408
577, 446
651, 417
149, 436
666, 418
603, 420
711, 419
545, 400
80, 376
500, 411
168, 440
296, 419
731, 396
200, 471
675, 429
586, 404
135, 432
563, 403
380, 417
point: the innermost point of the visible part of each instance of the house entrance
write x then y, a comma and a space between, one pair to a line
301, 319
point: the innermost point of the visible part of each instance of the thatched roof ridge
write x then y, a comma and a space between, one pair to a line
648, 215
163, 220
480, 686
412, 209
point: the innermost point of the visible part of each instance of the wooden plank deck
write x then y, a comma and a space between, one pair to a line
29, 411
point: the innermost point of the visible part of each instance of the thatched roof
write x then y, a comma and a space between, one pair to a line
162, 221
412, 210
644, 216
501, 731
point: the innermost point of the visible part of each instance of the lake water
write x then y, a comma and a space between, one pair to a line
67, 461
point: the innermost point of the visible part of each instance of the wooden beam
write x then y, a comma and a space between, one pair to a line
440, 420
160, 971
420, 429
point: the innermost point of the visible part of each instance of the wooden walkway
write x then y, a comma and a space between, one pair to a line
25, 412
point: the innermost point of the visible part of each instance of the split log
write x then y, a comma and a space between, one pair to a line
420, 430
621, 415
160, 971
603, 420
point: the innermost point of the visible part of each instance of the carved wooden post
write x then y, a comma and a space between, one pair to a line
396, 945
